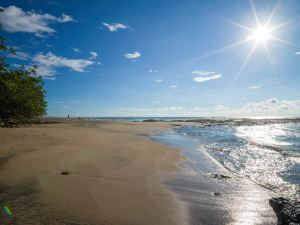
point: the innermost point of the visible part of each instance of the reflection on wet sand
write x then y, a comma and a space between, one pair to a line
214, 195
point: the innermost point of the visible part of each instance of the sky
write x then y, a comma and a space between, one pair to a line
234, 58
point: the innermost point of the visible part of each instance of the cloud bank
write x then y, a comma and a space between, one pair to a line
271, 107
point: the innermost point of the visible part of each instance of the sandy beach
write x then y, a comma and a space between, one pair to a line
88, 172
115, 174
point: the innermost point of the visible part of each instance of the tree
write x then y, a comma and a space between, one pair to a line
22, 96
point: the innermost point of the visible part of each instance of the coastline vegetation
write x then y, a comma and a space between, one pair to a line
22, 95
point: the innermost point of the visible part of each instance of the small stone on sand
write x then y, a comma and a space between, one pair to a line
65, 172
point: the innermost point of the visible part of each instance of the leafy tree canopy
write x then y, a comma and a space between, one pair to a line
22, 96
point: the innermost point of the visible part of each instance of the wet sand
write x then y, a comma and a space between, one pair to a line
119, 175
214, 194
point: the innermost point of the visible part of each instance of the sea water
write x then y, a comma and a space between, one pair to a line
267, 154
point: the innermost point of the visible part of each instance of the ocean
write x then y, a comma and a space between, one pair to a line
268, 154
244, 169
266, 151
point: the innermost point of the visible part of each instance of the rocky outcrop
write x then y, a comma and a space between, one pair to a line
287, 210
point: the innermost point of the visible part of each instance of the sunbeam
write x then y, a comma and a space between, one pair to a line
227, 47
243, 65
254, 13
282, 41
272, 13
271, 64
261, 34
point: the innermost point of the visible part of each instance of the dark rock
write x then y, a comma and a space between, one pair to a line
220, 176
287, 210
150, 120
65, 172
217, 193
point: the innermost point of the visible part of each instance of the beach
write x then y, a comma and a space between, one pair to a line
115, 174
109, 172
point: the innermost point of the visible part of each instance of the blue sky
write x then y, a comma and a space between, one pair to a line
160, 58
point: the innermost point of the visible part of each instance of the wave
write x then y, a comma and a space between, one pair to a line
266, 154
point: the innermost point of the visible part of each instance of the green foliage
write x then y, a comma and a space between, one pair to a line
22, 97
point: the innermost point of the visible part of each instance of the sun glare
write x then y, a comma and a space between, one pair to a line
261, 35
258, 36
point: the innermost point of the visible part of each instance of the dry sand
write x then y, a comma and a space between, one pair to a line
116, 175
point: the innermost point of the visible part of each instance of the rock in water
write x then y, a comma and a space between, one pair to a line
287, 210
220, 176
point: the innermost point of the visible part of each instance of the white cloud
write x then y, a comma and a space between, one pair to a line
152, 71
133, 55
267, 108
207, 78
173, 86
158, 80
297, 53
45, 72
255, 87
65, 18
19, 55
272, 106
75, 49
14, 19
93, 55
202, 73
113, 27
203, 76
51, 60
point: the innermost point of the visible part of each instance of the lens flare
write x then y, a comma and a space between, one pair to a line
7, 211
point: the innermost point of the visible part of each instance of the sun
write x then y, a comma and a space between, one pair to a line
261, 34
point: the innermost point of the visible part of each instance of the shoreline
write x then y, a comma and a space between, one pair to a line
214, 194
100, 172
